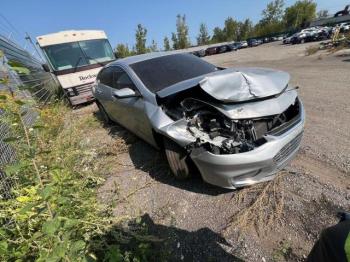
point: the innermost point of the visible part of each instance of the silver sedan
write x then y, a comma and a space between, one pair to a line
235, 126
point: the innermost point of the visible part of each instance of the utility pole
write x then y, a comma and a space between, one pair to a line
29, 39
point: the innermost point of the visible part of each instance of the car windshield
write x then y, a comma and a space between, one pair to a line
77, 54
161, 72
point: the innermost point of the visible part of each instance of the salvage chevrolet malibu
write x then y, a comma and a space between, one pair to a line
236, 126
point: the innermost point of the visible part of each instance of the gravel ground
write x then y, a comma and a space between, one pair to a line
275, 221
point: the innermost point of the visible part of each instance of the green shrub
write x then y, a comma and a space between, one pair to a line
54, 214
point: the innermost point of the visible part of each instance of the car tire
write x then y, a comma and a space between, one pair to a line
178, 160
104, 114
302, 41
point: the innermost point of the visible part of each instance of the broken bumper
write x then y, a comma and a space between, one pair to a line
259, 165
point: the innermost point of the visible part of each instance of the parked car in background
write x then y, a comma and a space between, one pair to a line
322, 35
234, 132
199, 53
244, 44
300, 38
316, 33
211, 50
344, 27
231, 47
309, 35
287, 39
253, 42
237, 45
221, 49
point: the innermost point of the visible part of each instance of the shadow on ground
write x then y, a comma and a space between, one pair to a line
154, 242
147, 159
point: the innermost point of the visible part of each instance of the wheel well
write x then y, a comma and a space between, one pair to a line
158, 138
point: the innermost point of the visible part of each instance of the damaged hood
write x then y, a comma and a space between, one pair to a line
236, 84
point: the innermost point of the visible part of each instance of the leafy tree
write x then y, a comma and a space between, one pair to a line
153, 47
322, 13
203, 38
166, 44
141, 33
245, 29
268, 29
133, 50
180, 39
300, 14
175, 41
218, 35
273, 12
231, 29
271, 21
122, 50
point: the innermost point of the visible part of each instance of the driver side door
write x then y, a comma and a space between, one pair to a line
129, 111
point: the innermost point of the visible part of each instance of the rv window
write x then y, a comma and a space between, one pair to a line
97, 51
65, 56
77, 54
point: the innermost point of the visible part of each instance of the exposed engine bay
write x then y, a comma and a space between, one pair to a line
219, 134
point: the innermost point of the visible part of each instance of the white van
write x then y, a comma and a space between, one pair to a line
75, 58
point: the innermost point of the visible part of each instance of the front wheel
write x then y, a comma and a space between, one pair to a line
178, 159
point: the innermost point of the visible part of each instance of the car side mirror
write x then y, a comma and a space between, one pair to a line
125, 93
46, 67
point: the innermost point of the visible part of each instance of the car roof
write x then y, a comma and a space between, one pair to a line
139, 58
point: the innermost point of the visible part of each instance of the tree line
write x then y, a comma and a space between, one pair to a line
275, 18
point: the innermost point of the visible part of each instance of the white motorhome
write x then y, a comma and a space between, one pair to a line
76, 57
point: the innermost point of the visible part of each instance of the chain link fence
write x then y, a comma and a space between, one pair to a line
29, 82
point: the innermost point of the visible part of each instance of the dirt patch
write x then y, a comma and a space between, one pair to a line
275, 221
311, 50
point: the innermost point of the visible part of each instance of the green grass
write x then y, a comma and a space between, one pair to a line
54, 214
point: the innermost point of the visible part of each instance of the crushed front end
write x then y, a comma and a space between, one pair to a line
240, 143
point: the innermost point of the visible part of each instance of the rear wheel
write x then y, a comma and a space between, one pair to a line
104, 114
178, 159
